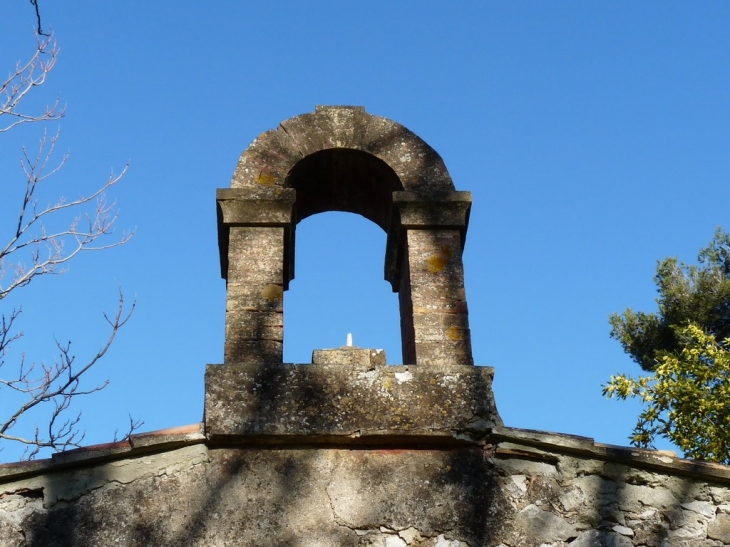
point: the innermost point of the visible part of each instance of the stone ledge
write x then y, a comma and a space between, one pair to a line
143, 443
314, 404
544, 445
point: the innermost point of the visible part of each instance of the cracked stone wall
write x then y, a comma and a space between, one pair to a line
501, 494
558, 500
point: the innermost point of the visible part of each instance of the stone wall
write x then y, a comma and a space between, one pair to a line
517, 489
569, 491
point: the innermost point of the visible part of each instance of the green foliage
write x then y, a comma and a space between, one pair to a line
686, 345
699, 295
686, 399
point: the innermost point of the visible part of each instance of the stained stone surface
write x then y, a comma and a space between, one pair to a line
378, 403
271, 157
505, 491
351, 357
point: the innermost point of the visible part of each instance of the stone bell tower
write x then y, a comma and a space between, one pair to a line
348, 451
344, 159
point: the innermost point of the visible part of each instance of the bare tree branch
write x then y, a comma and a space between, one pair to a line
42, 241
57, 384
26, 77
49, 251
134, 425
34, 3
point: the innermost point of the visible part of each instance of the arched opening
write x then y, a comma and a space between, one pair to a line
342, 179
339, 289
342, 159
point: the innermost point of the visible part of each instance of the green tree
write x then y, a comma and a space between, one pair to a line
686, 399
686, 345
699, 295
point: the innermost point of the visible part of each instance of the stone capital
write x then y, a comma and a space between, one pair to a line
263, 207
415, 212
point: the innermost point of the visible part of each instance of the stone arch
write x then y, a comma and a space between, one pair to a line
271, 157
344, 159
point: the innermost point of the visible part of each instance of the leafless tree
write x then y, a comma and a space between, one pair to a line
34, 250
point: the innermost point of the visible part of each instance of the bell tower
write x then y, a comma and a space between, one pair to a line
344, 159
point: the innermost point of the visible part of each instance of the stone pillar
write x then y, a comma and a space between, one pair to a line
424, 264
256, 240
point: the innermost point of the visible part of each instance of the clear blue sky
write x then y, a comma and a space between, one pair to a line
595, 138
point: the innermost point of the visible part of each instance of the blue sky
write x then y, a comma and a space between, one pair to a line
594, 137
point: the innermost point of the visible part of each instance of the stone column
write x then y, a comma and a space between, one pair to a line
256, 240
424, 264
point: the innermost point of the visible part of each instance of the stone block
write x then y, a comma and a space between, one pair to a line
255, 248
450, 211
261, 206
435, 296
719, 528
452, 353
257, 352
255, 325
596, 538
344, 125
538, 526
443, 334
266, 162
307, 133
440, 320
350, 356
243, 296
332, 403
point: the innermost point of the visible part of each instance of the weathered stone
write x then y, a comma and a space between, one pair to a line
424, 491
256, 255
332, 401
434, 280
257, 206
571, 498
594, 538
520, 482
519, 466
199, 495
275, 153
242, 296
266, 162
12, 535
254, 325
353, 358
254, 320
623, 530
648, 532
445, 352
632, 498
283, 497
441, 541
255, 352
597, 488
395, 541
538, 526
700, 507
720, 528
409, 535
